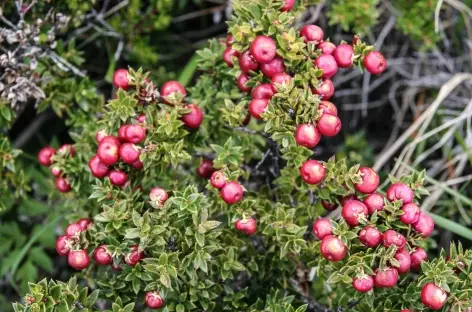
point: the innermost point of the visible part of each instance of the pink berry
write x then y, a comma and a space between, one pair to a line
312, 172
218, 179
374, 202
158, 196
363, 284
117, 177
154, 300
329, 125
404, 260
135, 133
322, 228
307, 135
370, 181
375, 63
63, 245
393, 238
232, 192
344, 55
247, 63
325, 90
386, 278
257, 107
102, 256
97, 168
332, 248
62, 185
247, 226
45, 155
400, 191
327, 47
327, 64
120, 79
263, 49
433, 297
411, 213
100, 135
242, 79
134, 256
108, 150
327, 107
424, 225
276, 66
171, 88
287, 6
280, 79
312, 33
66, 149
194, 119
78, 259
370, 236
56, 171
205, 169
228, 54
417, 257
353, 212
327, 205
263, 91
129, 152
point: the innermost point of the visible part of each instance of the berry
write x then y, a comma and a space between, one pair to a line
171, 89
62, 185
263, 49
45, 155
84, 223
288, 5
247, 226
329, 125
328, 108
218, 179
327, 205
332, 248
138, 164
229, 40
193, 119
411, 213
263, 91
120, 79
66, 149
141, 119
393, 238
232, 192
276, 66
117, 177
129, 153
257, 107
242, 79
312, 33
370, 236
100, 135
424, 225
404, 260
322, 228
353, 211
363, 284
108, 150
228, 55
327, 47
375, 63
347, 198
417, 257
205, 169
312, 171
307, 135
433, 297
154, 300
97, 168
78, 259
280, 79
73, 229
135, 133
370, 181
344, 55
56, 171
158, 196
63, 245
247, 63
325, 90
386, 278
400, 191
102, 256
134, 256
327, 64
122, 134
374, 202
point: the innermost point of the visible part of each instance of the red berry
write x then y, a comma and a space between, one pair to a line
263, 49
417, 257
247, 63
370, 181
141, 119
424, 225
433, 297
102, 256
194, 119
325, 90
100, 135
363, 284
228, 55
353, 211
242, 79
134, 256
374, 202
122, 134
307, 135
63, 245
129, 153
344, 55
84, 223
288, 5
135, 133
158, 196
312, 171
327, 107
327, 47
329, 125
263, 91
347, 198
411, 213
117, 177
229, 40
312, 33
205, 169
108, 150
327, 64
62, 185
276, 66
66, 149
280, 79
327, 205
120, 79
171, 88
232, 192
45, 154
257, 107
322, 228
393, 238
332, 248
218, 179
375, 63
404, 259
97, 168
400, 191
56, 171
73, 229
138, 164
154, 300
247, 226
386, 278
370, 236
78, 259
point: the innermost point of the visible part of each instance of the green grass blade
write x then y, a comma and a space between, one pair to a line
189, 70
452, 226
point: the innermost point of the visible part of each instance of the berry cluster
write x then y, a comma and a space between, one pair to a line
46, 158
71, 244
